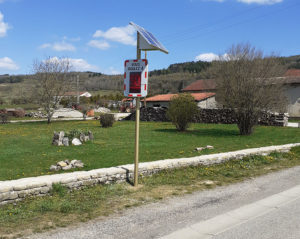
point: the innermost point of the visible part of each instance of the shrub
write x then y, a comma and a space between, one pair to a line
84, 109
3, 118
75, 133
182, 110
107, 120
18, 113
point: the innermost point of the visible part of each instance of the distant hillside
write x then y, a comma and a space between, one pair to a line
190, 67
292, 61
169, 80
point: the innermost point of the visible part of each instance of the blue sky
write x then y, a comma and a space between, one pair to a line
95, 35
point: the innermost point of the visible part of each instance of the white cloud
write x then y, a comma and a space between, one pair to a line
8, 64
207, 57
74, 39
63, 46
124, 35
82, 65
103, 45
46, 45
3, 26
78, 64
262, 2
59, 46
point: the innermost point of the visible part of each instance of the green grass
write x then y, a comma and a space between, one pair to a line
295, 120
26, 148
62, 208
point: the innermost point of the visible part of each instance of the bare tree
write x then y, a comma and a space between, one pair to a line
248, 82
53, 81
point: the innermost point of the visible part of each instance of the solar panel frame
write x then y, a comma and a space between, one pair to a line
149, 38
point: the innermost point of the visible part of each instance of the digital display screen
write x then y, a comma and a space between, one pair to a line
135, 82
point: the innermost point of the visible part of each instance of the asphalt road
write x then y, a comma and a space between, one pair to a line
158, 220
278, 224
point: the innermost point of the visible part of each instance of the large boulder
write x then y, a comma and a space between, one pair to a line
76, 142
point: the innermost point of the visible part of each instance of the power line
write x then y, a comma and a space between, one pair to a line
183, 38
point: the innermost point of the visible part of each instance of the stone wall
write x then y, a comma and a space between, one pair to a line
216, 116
16, 190
227, 116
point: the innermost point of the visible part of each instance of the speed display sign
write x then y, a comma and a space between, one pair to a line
136, 78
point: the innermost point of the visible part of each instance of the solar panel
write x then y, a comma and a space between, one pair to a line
153, 43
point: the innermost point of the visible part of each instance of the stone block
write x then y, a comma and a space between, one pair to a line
5, 188
20, 187
65, 141
45, 190
68, 167
62, 164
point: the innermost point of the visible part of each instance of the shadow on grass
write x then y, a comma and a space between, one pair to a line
203, 132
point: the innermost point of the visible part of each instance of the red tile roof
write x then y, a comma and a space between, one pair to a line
167, 97
293, 72
201, 85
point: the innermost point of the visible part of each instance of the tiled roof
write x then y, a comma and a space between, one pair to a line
167, 97
293, 72
200, 85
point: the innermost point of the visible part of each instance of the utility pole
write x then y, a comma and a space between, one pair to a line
78, 89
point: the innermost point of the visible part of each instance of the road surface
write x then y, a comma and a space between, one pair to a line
277, 216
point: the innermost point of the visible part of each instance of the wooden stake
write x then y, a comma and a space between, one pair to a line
137, 123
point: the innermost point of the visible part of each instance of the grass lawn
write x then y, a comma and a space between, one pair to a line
26, 148
62, 208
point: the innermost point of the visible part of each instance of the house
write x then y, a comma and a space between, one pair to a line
292, 89
203, 100
201, 86
291, 81
208, 87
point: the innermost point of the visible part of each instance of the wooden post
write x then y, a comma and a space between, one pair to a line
145, 103
137, 123
77, 85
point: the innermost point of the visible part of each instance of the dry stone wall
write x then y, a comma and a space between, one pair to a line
16, 190
216, 116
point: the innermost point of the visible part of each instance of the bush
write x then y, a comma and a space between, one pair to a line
18, 113
3, 118
107, 120
182, 110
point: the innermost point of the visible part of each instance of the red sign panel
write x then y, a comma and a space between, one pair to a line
135, 82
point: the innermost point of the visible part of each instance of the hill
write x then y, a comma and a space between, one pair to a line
17, 89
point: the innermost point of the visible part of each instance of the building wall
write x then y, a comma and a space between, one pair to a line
293, 94
209, 103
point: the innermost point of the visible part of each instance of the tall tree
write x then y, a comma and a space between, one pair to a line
249, 83
53, 81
